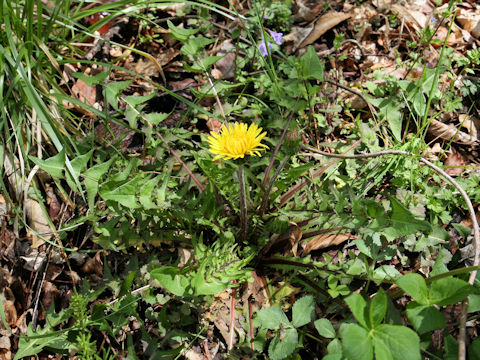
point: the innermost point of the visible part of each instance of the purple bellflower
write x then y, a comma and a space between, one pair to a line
277, 37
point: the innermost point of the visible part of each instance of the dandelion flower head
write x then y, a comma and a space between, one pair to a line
237, 140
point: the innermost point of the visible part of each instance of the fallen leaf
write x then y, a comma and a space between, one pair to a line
437, 129
84, 92
454, 162
469, 21
323, 241
322, 25
415, 19
285, 242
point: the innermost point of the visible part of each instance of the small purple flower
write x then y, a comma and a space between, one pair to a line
276, 36
263, 47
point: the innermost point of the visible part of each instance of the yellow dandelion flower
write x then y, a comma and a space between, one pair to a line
237, 140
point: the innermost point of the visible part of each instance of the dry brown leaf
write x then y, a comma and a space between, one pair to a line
307, 10
468, 122
413, 18
33, 211
84, 92
285, 242
322, 25
438, 129
10, 312
455, 163
5, 347
469, 21
323, 241
226, 64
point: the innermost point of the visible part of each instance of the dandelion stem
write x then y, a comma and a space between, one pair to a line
243, 203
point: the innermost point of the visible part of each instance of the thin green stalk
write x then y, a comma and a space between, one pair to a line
243, 203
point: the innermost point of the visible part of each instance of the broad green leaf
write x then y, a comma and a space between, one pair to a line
312, 67
424, 318
358, 306
124, 194
91, 178
378, 308
209, 286
303, 311
403, 222
389, 110
402, 342
356, 343
98, 79
135, 100
195, 44
156, 118
53, 166
32, 346
325, 328
451, 347
449, 291
283, 344
171, 279
113, 91
474, 349
271, 318
146, 193
180, 34
335, 347
415, 286
333, 357
474, 303
381, 349
78, 164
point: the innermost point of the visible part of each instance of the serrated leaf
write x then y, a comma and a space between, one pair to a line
283, 344
78, 164
403, 222
302, 311
124, 194
91, 178
156, 118
272, 317
171, 279
146, 193
53, 166
325, 328
113, 91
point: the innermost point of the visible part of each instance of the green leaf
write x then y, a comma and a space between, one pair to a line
113, 91
358, 306
378, 308
146, 193
415, 286
303, 311
389, 110
29, 347
402, 342
91, 178
271, 318
424, 318
474, 349
334, 347
449, 291
98, 79
180, 34
53, 166
283, 344
381, 349
325, 328
123, 193
171, 279
403, 222
78, 164
356, 343
312, 67
451, 347
474, 303
156, 118
194, 44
